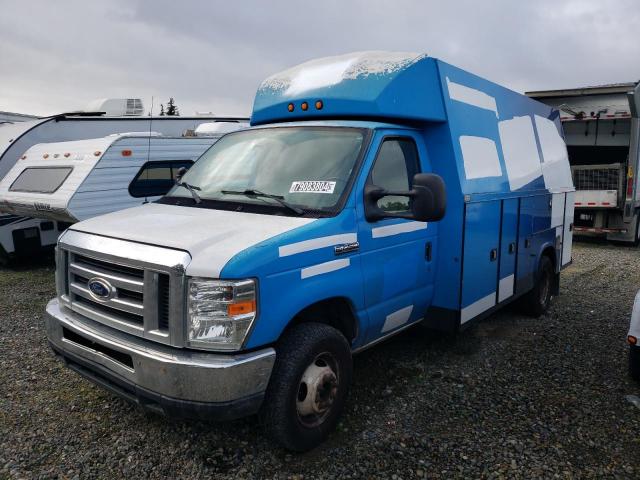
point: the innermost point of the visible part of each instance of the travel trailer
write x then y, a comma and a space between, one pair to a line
601, 129
73, 181
374, 191
16, 138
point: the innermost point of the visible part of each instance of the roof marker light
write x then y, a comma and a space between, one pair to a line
56, 155
319, 105
632, 340
23, 157
290, 107
304, 106
126, 153
97, 153
67, 155
46, 155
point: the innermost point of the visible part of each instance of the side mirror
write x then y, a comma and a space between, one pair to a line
428, 200
180, 174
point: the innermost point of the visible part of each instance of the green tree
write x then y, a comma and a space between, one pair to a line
172, 109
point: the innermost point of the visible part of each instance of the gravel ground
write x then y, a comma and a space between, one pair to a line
511, 397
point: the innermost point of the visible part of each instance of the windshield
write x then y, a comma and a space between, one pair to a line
308, 167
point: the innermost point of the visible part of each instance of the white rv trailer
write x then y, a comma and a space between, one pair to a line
601, 128
16, 138
66, 182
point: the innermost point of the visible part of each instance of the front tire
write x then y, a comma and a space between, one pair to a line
538, 300
308, 387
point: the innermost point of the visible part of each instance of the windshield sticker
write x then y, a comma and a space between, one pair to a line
312, 186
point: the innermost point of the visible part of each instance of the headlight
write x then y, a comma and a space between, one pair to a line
220, 313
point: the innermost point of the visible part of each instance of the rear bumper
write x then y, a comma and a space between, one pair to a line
175, 382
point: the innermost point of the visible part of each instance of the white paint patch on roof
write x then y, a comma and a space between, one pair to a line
520, 151
324, 72
218, 128
471, 96
480, 157
555, 168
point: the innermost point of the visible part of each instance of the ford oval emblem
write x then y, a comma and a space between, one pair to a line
100, 289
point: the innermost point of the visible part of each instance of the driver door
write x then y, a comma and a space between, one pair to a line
396, 254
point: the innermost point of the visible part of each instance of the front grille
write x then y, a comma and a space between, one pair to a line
601, 178
140, 298
125, 304
163, 301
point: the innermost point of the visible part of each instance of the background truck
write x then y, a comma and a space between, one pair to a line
601, 127
110, 116
374, 191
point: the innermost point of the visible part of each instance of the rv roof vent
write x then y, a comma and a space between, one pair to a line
116, 107
134, 106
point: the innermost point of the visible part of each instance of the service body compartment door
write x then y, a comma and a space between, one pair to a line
508, 248
526, 254
480, 268
567, 238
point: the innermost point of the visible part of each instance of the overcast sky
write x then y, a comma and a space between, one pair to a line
210, 55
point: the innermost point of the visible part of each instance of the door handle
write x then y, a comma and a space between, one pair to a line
512, 248
527, 242
493, 255
428, 251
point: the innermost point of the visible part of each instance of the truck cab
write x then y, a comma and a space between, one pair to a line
373, 191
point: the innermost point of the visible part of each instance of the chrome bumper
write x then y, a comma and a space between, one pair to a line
175, 381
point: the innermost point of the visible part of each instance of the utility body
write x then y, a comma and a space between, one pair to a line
374, 191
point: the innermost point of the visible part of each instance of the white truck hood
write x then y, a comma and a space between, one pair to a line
212, 237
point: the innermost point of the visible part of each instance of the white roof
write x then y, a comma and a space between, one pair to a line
219, 128
324, 72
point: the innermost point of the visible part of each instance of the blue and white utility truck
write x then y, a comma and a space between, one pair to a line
374, 191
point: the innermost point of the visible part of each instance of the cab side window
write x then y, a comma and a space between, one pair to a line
394, 168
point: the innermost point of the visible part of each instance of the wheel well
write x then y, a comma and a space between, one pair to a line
336, 312
551, 253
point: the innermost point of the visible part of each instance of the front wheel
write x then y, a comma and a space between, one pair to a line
538, 300
308, 386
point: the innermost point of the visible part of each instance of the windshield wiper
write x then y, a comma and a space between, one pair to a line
192, 190
258, 193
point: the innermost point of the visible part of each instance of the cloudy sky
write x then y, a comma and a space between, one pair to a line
211, 55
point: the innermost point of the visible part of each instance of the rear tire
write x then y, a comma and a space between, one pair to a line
538, 300
308, 387
634, 362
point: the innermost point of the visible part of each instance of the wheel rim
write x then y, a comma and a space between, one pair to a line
317, 390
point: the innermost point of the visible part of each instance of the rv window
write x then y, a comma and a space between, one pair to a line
396, 164
156, 178
40, 179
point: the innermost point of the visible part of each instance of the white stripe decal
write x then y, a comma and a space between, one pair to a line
396, 319
471, 96
505, 288
316, 243
326, 267
476, 308
397, 228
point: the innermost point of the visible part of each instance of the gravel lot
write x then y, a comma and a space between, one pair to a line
511, 397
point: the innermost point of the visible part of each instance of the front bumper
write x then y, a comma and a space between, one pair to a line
172, 381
